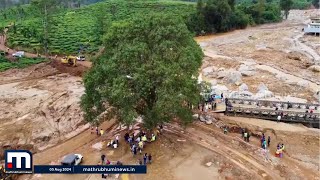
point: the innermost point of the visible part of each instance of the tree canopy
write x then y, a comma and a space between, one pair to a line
286, 5
148, 69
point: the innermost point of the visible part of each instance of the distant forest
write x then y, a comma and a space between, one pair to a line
67, 3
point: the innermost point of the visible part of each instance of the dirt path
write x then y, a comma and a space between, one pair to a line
241, 160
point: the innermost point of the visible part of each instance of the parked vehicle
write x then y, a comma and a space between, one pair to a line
72, 159
81, 58
18, 54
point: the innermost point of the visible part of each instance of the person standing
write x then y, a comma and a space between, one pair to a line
97, 131
126, 136
145, 156
134, 150
117, 139
278, 118
269, 139
225, 130
103, 158
245, 136
101, 132
248, 138
149, 158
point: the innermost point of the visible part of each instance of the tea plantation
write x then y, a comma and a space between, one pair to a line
74, 30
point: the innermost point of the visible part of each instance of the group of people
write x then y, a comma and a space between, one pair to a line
279, 151
105, 161
137, 143
114, 142
245, 135
98, 132
265, 142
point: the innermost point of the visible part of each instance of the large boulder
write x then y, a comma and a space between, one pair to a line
222, 74
233, 77
243, 87
218, 89
303, 83
262, 87
209, 70
213, 82
315, 68
248, 73
264, 94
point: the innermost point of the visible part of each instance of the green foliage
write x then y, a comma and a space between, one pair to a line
316, 3
75, 29
147, 70
286, 5
223, 15
23, 62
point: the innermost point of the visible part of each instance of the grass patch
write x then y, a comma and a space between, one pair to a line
23, 62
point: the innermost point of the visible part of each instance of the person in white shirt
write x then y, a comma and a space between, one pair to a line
279, 118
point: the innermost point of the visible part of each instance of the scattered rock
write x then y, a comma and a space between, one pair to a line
261, 47
213, 82
181, 140
281, 77
208, 121
208, 164
295, 56
315, 68
221, 69
208, 70
303, 83
195, 116
233, 77
243, 87
221, 74
263, 94
202, 119
248, 73
241, 94
218, 89
262, 87
264, 175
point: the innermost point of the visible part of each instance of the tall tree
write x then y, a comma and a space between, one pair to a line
286, 5
316, 3
261, 8
147, 71
45, 9
217, 13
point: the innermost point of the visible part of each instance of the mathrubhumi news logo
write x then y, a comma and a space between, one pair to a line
18, 162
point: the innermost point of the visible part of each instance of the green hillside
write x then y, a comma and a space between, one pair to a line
76, 29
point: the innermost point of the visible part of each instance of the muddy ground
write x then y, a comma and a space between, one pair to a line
39, 105
278, 55
40, 111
